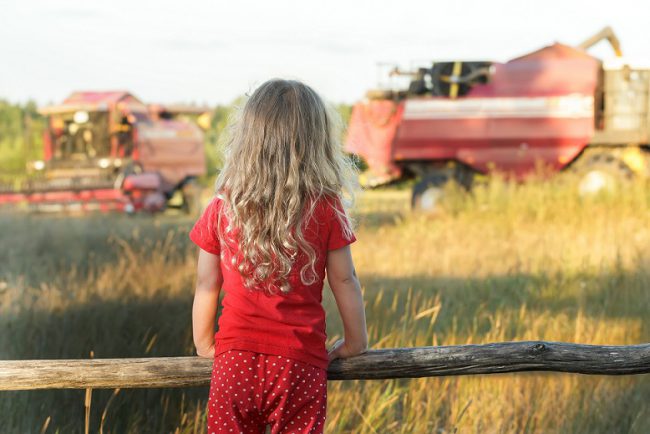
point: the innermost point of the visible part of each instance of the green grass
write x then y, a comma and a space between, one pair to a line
509, 262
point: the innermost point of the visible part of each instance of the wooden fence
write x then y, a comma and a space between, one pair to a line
375, 364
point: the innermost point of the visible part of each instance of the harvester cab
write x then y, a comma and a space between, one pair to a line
91, 133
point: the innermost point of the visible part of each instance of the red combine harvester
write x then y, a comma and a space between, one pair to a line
557, 106
109, 151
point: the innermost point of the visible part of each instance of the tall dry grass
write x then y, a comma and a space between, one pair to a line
508, 262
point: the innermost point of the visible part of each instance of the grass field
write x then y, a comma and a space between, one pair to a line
510, 262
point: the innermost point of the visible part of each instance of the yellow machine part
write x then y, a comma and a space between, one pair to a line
453, 89
204, 120
636, 160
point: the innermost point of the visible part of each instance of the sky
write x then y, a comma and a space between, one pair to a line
210, 52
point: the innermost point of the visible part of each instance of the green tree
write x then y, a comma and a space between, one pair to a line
21, 137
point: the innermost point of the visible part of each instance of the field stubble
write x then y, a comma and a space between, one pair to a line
509, 262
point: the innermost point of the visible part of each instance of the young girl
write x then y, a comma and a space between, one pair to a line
274, 227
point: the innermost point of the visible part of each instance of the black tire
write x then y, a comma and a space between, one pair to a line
428, 192
601, 172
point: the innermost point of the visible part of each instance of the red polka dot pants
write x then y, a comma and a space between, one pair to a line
249, 391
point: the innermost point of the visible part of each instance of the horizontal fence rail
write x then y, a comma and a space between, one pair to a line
375, 364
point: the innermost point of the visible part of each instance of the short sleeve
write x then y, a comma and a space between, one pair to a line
337, 237
204, 233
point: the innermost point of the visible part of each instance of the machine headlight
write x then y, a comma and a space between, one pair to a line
104, 163
81, 117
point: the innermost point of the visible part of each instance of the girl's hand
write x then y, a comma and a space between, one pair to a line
206, 352
341, 351
332, 354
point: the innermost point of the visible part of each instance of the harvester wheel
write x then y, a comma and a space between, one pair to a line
601, 172
428, 192
191, 191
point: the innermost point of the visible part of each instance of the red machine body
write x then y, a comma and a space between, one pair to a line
536, 108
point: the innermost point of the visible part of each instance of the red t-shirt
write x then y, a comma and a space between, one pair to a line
291, 324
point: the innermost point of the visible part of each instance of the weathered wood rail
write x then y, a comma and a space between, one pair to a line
375, 364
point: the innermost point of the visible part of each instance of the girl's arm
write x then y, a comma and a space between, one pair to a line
206, 298
346, 288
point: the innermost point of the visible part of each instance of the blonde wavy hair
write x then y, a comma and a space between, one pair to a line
283, 153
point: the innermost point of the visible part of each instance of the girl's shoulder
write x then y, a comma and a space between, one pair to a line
214, 205
327, 205
339, 226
